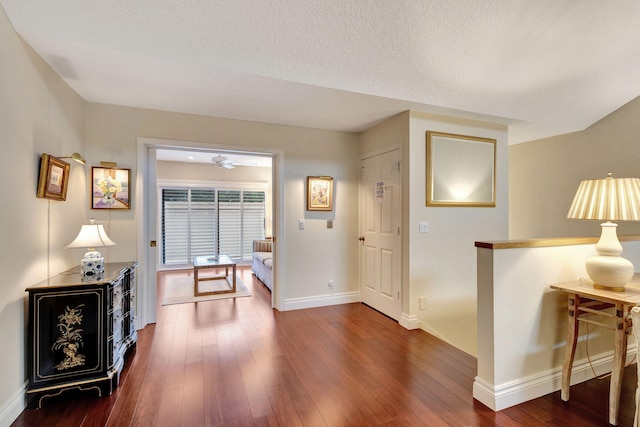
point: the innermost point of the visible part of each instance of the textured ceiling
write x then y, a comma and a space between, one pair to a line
544, 67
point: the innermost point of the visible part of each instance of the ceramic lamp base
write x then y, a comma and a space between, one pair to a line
608, 269
92, 266
609, 272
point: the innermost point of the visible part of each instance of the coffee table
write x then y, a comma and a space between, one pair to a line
219, 262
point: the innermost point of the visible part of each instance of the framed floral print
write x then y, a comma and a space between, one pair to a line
319, 193
54, 178
110, 188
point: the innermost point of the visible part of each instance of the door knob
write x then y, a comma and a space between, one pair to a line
361, 238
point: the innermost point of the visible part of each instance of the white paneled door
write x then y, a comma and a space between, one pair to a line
380, 241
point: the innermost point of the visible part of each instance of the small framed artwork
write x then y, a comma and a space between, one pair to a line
53, 179
319, 193
461, 170
110, 188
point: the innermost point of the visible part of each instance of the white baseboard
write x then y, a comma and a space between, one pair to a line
430, 331
14, 407
321, 301
503, 396
409, 321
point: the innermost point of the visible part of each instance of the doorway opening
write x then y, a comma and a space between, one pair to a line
210, 204
236, 189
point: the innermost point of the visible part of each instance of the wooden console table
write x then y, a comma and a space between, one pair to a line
80, 331
585, 299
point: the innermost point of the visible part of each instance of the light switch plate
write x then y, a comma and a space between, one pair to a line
301, 224
424, 227
330, 223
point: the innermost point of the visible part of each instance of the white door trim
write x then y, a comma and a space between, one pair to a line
146, 301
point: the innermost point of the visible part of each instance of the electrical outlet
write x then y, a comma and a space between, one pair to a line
331, 284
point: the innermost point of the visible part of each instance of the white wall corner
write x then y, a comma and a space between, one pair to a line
14, 407
321, 301
409, 321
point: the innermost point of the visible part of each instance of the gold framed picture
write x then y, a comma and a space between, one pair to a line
110, 188
319, 193
53, 179
461, 170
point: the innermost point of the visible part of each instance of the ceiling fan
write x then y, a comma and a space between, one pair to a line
222, 162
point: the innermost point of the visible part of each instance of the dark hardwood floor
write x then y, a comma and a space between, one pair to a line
237, 362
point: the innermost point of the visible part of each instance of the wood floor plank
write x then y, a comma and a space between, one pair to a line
238, 362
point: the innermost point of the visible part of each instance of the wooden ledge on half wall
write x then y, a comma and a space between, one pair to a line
554, 241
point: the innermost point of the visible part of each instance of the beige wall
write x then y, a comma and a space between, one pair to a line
311, 256
203, 172
442, 262
544, 175
39, 114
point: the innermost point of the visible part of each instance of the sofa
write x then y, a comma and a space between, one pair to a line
262, 262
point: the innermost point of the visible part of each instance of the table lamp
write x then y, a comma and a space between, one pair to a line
92, 236
608, 199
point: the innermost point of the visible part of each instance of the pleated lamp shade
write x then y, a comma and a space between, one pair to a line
609, 199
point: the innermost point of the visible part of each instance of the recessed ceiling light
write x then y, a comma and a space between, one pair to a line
190, 157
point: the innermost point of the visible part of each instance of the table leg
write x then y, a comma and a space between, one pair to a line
619, 356
570, 348
195, 281
234, 278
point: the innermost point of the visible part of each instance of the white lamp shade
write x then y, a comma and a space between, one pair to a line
91, 236
616, 199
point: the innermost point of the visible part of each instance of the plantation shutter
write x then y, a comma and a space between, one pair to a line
175, 226
206, 221
230, 223
203, 222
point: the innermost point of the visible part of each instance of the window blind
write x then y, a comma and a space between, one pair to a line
198, 221
175, 226
230, 223
202, 222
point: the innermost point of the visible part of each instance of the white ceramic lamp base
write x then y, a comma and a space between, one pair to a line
611, 272
92, 266
608, 269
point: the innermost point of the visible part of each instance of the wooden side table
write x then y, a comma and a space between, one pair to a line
584, 298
